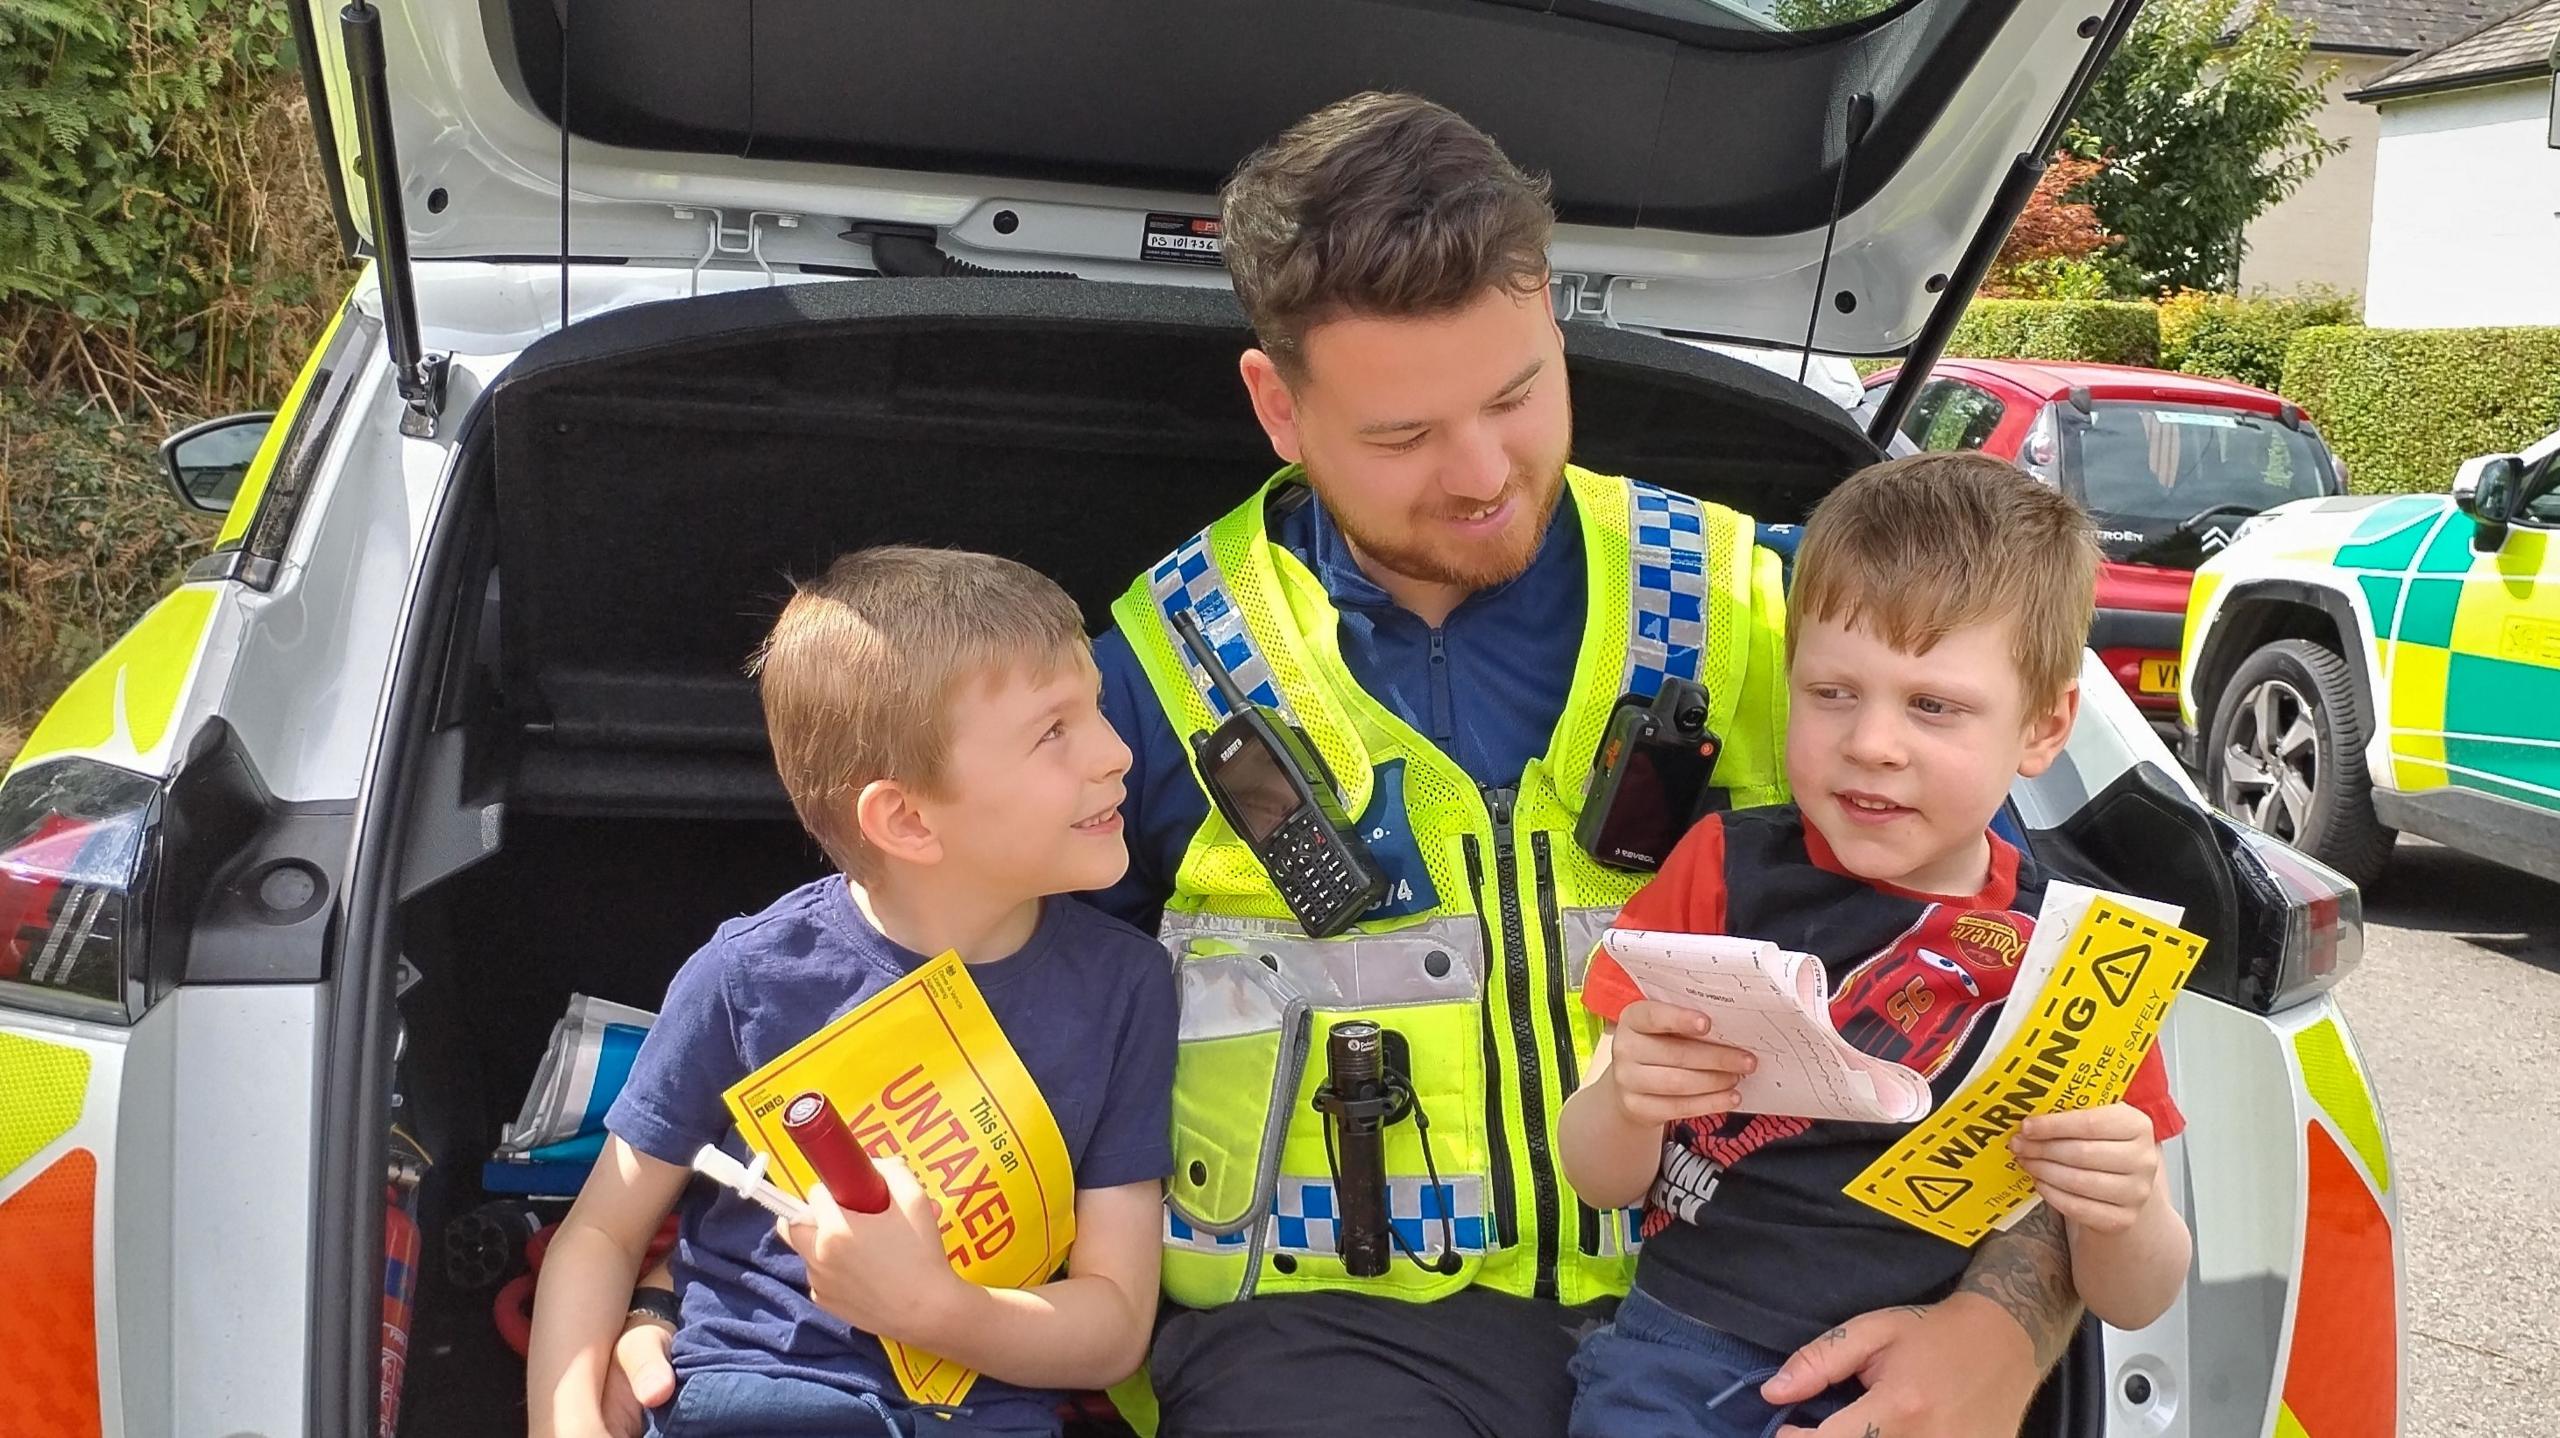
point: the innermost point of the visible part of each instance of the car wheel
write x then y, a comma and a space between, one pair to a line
2287, 757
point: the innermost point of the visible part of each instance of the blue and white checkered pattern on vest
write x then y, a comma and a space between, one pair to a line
1189, 580
1303, 1212
1668, 548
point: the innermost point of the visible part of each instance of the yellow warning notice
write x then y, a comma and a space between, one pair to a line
921, 1071
2094, 1018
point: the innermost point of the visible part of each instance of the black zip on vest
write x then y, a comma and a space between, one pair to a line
1524, 1039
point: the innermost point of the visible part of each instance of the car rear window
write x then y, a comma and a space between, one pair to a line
2172, 462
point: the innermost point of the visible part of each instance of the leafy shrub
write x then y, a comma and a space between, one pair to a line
165, 237
2244, 338
2404, 408
2104, 331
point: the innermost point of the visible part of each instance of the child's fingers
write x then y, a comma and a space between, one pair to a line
1652, 1016
2101, 1155
2084, 1212
2114, 1189
1663, 1051
2107, 1121
1659, 1081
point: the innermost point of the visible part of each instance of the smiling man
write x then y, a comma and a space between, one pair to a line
1449, 609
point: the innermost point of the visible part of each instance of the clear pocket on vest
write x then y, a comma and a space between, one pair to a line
1254, 1181
1600, 1232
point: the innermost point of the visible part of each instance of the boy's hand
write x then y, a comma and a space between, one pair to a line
2098, 1167
1665, 1069
884, 1273
641, 1377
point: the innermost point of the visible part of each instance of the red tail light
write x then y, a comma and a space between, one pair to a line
72, 857
2307, 921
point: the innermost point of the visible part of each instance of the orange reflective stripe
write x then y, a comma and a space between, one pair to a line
2342, 1377
48, 1309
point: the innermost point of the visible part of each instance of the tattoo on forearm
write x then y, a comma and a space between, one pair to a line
2027, 1271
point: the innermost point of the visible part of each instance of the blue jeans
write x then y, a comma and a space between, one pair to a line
1657, 1373
765, 1405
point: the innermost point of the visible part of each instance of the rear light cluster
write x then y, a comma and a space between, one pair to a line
2302, 922
74, 849
2043, 446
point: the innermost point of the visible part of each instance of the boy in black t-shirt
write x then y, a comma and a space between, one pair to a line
1939, 611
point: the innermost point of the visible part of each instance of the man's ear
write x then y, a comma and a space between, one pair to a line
894, 825
1274, 404
2049, 731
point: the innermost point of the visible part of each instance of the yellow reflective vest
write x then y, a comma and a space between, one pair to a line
1475, 963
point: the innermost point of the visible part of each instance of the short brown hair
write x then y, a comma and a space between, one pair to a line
858, 674
1913, 549
1381, 204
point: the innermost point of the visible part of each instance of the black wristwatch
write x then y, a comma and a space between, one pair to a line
657, 1303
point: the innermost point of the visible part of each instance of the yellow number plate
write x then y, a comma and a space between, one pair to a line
2159, 676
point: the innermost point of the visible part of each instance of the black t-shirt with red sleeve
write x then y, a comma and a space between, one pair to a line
1747, 1228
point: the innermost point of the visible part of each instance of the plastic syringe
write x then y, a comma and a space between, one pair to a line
748, 1180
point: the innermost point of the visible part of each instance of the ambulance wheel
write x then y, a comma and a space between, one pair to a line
2286, 757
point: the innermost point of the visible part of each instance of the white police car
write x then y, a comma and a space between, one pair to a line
451, 724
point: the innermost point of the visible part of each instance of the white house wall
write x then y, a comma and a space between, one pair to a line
2466, 211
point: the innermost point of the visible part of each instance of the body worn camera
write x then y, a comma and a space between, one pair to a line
1649, 779
1274, 790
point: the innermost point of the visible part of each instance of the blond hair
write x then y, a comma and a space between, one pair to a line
1913, 549
1382, 204
859, 673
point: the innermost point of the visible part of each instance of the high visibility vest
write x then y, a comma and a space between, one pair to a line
1475, 959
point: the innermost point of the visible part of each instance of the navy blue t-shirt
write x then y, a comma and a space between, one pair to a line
1088, 1003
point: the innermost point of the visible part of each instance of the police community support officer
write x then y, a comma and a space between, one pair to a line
1449, 609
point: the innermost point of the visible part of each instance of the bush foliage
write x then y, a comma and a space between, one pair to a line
2232, 337
2404, 408
166, 253
2106, 331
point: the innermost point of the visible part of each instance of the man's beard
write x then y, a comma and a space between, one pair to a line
1497, 559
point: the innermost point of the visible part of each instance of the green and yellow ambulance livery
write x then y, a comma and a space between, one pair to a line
2364, 666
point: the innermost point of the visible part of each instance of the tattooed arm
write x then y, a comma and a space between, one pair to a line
1964, 1367
2027, 1271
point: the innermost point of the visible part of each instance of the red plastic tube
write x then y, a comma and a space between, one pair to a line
827, 1143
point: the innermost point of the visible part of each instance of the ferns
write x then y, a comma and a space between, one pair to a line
153, 212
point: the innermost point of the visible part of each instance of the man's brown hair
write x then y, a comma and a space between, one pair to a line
1382, 204
1912, 549
860, 673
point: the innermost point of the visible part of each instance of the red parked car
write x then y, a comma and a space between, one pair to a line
2169, 465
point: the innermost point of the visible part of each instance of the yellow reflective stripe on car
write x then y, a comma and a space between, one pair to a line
2337, 1083
2288, 1426
132, 693
253, 486
2416, 676
42, 1088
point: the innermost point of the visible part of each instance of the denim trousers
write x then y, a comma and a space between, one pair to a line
766, 1405
1657, 1373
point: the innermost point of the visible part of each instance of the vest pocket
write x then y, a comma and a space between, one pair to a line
1252, 1205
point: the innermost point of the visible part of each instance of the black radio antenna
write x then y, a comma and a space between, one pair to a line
1192, 639
564, 164
1860, 114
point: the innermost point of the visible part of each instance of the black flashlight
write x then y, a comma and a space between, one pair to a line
1359, 1099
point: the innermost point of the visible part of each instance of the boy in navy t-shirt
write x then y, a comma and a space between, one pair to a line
1940, 607
934, 716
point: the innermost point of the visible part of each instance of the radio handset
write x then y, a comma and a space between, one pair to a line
1276, 792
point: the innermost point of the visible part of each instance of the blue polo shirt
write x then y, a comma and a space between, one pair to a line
1486, 687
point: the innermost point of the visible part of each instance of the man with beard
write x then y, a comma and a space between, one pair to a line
1449, 610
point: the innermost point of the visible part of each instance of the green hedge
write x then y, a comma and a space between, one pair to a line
2404, 408
2231, 337
2106, 331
